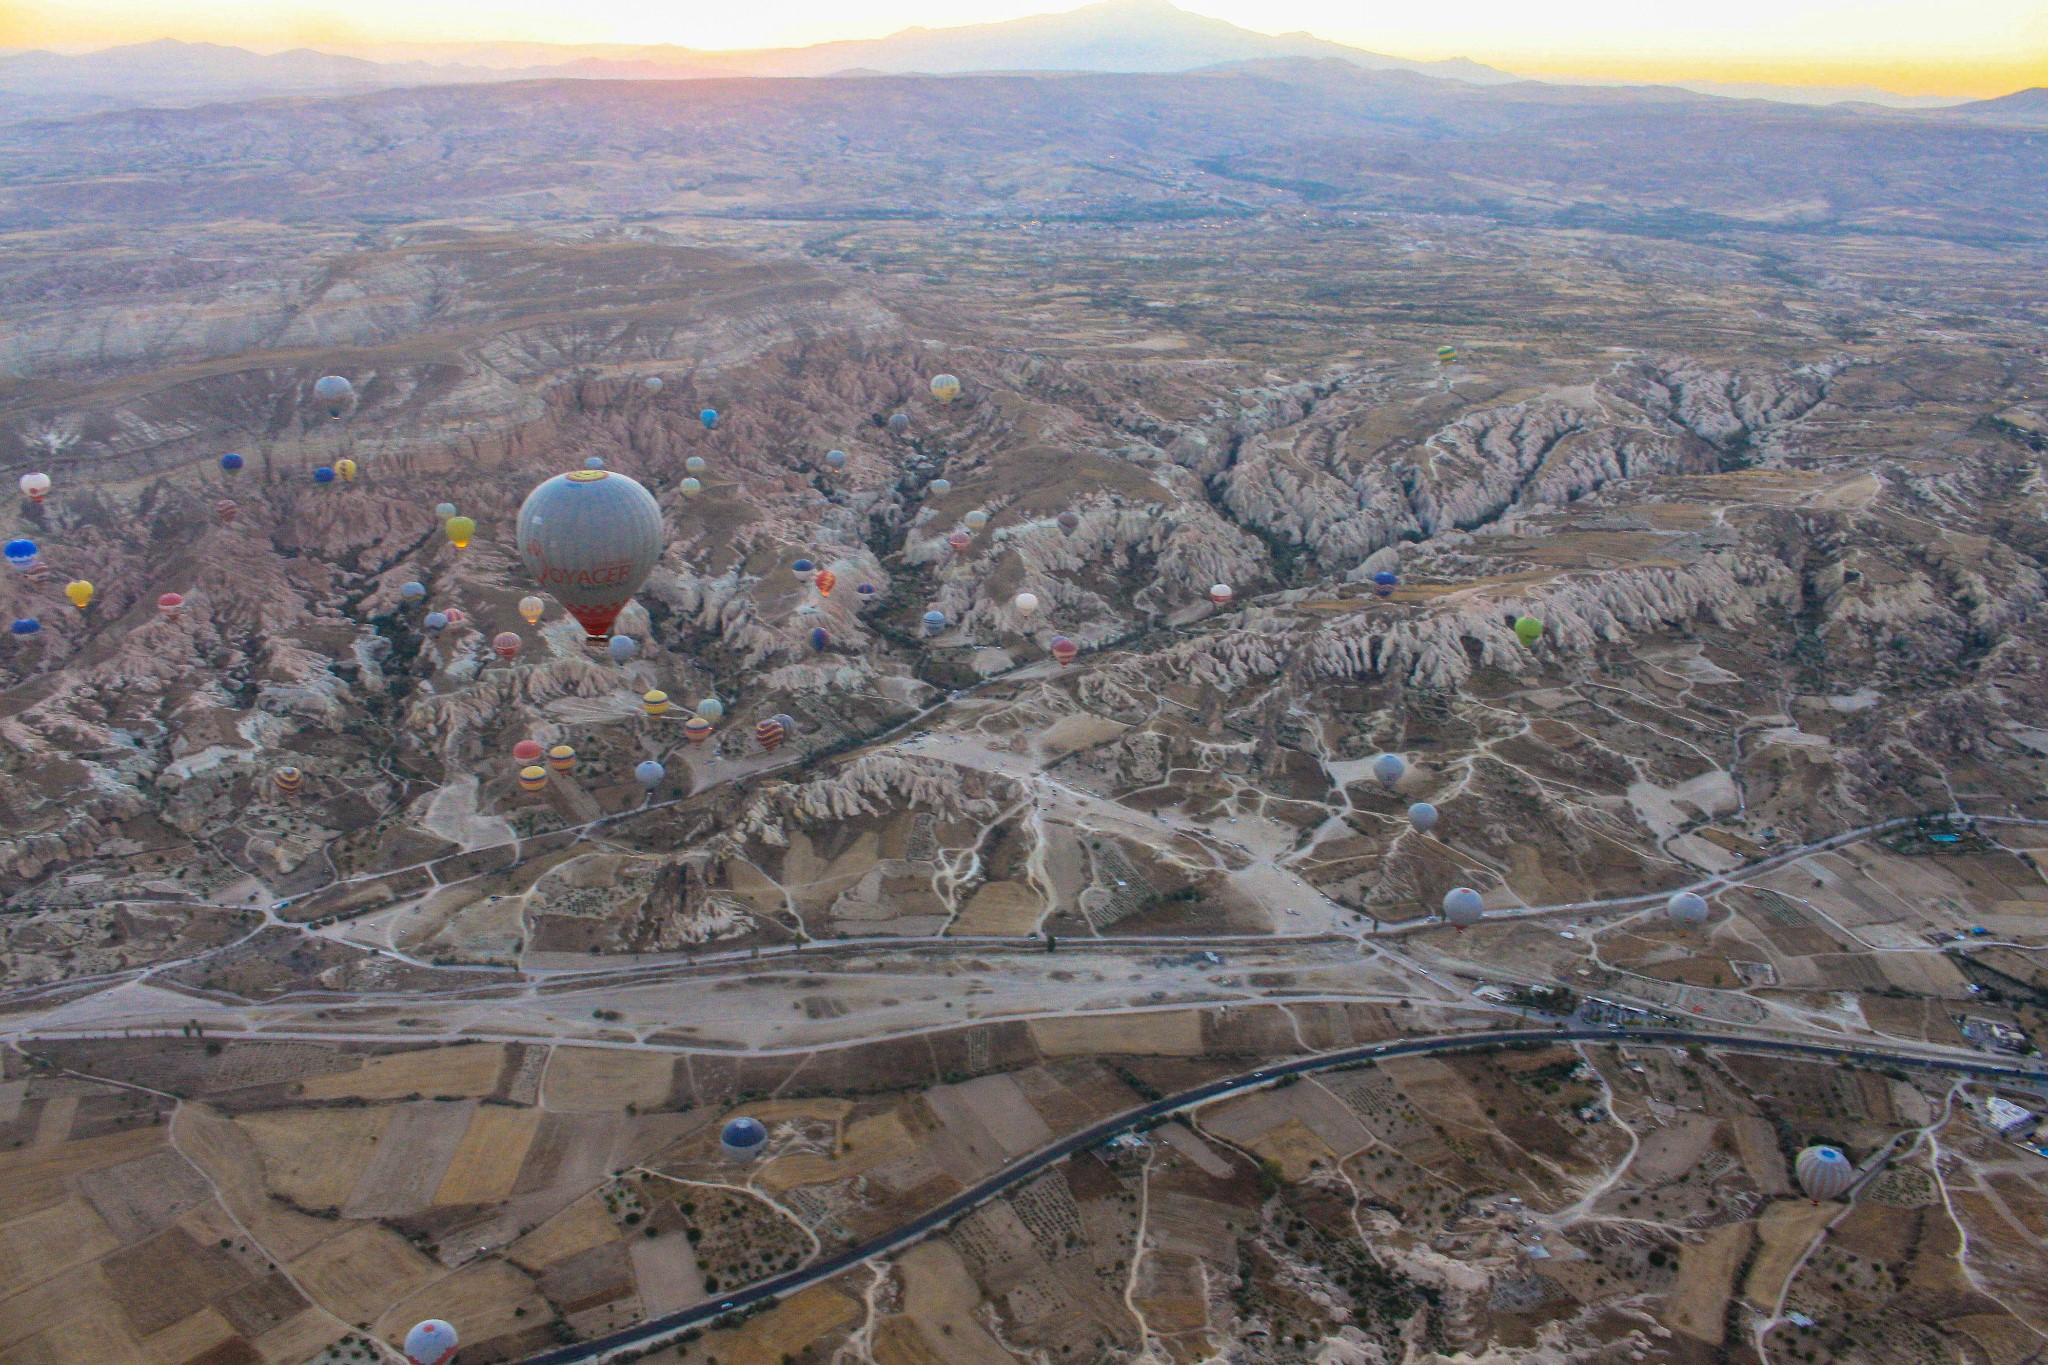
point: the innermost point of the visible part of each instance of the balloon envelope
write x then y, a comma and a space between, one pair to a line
1220, 593
531, 608
26, 625
20, 552
945, 387
899, 422
230, 463
695, 464
561, 758
444, 510
460, 531
818, 638
1064, 650
622, 648
1528, 630
1070, 522
590, 537
942, 486
654, 703
866, 590
506, 643
1687, 907
1462, 906
171, 603
413, 592
975, 520
709, 417
825, 581
692, 487
332, 389
803, 566
696, 729
1824, 1172
1389, 769
527, 751
711, 708
649, 774
533, 778
742, 1138
80, 593
347, 470
769, 734
36, 486
835, 459
1027, 604
654, 383
324, 474
1422, 817
225, 509
594, 462
959, 540
934, 619
436, 620
430, 1343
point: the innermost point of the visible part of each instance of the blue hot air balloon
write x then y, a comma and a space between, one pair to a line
413, 592
1389, 769
695, 464
709, 417
649, 774
324, 474
27, 625
594, 462
934, 619
622, 648
866, 590
1383, 583
803, 566
335, 392
21, 553
835, 459
437, 620
230, 463
743, 1139
818, 638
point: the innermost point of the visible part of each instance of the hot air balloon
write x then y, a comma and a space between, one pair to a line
1528, 630
654, 703
531, 608
803, 568
590, 537
835, 459
225, 510
594, 462
324, 474
1389, 769
934, 619
432, 1342
649, 774
455, 616
743, 1138
1446, 354
899, 422
697, 729
532, 778
231, 463
171, 604
1220, 593
621, 648
1824, 1172
769, 734
443, 510
1383, 583
824, 582
1462, 906
945, 387
288, 780
941, 487
1064, 650
709, 417
867, 591
527, 751
347, 470
695, 464
26, 625
460, 531
436, 621
35, 486
1687, 907
561, 758
819, 639
1070, 522
692, 487
959, 539
1026, 604
413, 592
506, 644
976, 519
653, 383
80, 593
334, 391
1422, 817
20, 552
38, 572
711, 708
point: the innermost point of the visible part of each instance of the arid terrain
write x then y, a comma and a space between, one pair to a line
1747, 405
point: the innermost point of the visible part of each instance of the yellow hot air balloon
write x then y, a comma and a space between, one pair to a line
561, 758
347, 470
80, 593
531, 608
460, 530
655, 702
533, 778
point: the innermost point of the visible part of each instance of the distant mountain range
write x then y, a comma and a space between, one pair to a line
1111, 36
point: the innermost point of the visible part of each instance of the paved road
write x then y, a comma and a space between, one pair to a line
657, 1331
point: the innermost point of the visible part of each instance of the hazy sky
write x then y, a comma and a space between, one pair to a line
1916, 46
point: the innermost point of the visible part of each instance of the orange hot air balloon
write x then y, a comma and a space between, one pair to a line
171, 604
697, 729
288, 780
769, 734
825, 579
527, 751
506, 643
532, 778
1064, 650
561, 758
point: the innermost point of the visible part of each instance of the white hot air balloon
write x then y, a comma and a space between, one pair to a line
590, 537
1220, 594
35, 487
1463, 907
1027, 604
649, 774
432, 1342
1389, 769
1824, 1173
1687, 907
1422, 817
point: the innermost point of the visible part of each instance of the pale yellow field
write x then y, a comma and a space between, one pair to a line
482, 1296
1706, 1276
1167, 1033
314, 1157
1786, 1229
470, 1070
870, 1143
793, 1325
487, 1163
578, 1228
38, 1246
1008, 908
1295, 1148
597, 1080
357, 1275
186, 1339
50, 1314
32, 1178
298, 1338
940, 1297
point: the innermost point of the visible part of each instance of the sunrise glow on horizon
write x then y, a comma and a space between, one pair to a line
1963, 48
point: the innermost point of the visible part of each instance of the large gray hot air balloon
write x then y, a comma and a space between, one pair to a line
1462, 906
1422, 817
334, 391
1687, 908
1824, 1173
590, 537
649, 774
1389, 769
432, 1342
622, 648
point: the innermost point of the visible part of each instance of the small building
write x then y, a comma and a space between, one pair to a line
2008, 1119
1993, 1036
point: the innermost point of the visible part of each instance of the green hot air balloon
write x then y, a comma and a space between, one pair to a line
1528, 630
590, 537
